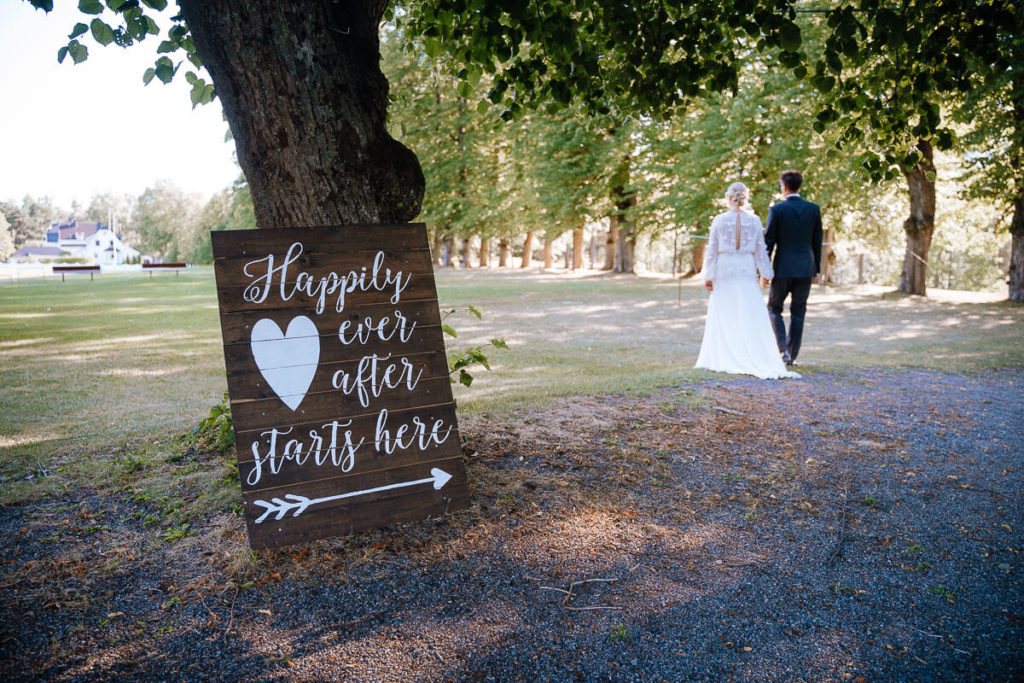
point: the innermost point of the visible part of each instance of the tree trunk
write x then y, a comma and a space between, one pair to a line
527, 250
696, 258
438, 250
577, 248
467, 252
504, 253
920, 225
485, 252
549, 257
625, 261
624, 199
1017, 250
828, 256
611, 245
448, 260
306, 101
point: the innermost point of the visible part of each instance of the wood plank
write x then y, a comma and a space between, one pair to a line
371, 374
236, 326
342, 238
419, 287
327, 405
349, 515
317, 450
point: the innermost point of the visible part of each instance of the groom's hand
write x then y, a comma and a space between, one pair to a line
708, 286
764, 282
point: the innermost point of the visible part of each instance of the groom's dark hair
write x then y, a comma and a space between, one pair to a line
792, 180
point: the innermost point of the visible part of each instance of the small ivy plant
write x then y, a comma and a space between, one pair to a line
458, 361
216, 431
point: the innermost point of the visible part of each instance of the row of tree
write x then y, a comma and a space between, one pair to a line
549, 172
616, 92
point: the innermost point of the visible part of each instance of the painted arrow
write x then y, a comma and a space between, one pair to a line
299, 503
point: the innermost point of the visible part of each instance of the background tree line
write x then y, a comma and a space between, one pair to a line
526, 138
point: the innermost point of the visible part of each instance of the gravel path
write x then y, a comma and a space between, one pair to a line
855, 527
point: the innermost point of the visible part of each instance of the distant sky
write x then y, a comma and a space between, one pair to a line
74, 130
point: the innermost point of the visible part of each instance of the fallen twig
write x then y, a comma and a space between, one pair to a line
727, 410
837, 551
231, 614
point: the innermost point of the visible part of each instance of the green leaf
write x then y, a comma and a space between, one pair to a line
90, 7
483, 107
449, 330
79, 53
465, 378
166, 46
201, 93
61, 54
823, 84
116, 5
789, 60
78, 30
465, 89
930, 176
475, 311
165, 69
101, 33
148, 75
499, 343
158, 5
789, 37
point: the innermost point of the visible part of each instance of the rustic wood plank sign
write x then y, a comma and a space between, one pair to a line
340, 397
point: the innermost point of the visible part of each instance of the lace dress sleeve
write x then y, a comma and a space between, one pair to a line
711, 253
761, 260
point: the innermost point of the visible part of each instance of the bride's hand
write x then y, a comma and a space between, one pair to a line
764, 282
708, 286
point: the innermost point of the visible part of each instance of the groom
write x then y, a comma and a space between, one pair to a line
794, 233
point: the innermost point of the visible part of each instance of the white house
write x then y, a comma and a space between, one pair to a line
90, 240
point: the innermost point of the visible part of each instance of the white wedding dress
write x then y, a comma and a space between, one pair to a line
738, 336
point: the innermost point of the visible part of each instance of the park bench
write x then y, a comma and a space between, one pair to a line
164, 267
75, 270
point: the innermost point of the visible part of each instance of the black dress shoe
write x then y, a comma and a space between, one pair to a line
786, 359
790, 362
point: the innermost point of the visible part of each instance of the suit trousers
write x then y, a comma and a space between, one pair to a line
797, 289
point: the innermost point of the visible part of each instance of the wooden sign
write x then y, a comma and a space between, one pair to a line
340, 396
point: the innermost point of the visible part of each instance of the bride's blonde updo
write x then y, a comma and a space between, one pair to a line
737, 195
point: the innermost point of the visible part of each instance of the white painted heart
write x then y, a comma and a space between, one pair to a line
287, 361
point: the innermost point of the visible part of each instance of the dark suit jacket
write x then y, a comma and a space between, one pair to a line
794, 233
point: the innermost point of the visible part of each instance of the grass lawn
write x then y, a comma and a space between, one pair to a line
100, 378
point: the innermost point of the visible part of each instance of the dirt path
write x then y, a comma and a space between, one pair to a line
858, 527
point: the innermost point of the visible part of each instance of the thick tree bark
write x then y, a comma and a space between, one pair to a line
527, 250
611, 245
623, 199
828, 256
696, 258
485, 252
549, 256
920, 225
577, 248
467, 252
437, 250
504, 253
1017, 251
306, 101
625, 262
448, 250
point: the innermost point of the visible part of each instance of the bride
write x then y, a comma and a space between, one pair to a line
738, 335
